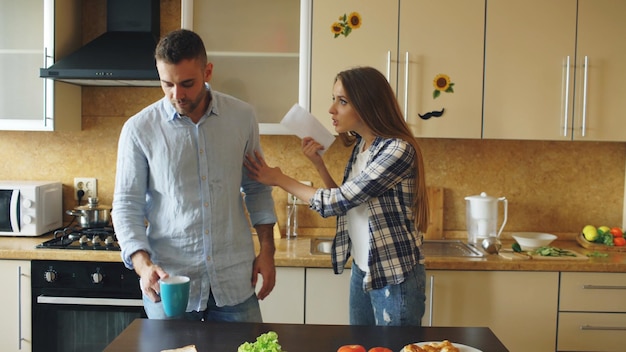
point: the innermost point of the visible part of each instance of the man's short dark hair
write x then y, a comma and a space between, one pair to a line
178, 45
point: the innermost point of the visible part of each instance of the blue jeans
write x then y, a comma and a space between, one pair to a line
247, 311
392, 305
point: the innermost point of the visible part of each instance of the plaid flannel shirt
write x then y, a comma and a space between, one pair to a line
386, 185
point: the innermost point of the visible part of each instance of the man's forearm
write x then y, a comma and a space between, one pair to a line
265, 233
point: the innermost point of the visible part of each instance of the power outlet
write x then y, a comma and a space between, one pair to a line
291, 197
89, 185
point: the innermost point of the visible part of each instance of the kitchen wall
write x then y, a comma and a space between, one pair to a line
551, 186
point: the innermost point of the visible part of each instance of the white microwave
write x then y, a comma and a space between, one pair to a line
30, 208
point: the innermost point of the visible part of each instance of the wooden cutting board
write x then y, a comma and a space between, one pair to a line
509, 254
435, 203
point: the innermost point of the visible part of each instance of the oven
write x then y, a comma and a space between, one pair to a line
82, 306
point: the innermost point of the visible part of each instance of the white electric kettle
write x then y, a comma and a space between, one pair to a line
482, 217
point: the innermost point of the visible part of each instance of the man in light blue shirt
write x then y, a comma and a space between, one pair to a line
178, 207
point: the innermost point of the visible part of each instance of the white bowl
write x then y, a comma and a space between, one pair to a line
533, 240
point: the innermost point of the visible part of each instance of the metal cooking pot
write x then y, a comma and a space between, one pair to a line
92, 215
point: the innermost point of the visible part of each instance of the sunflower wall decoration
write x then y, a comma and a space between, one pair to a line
442, 84
346, 24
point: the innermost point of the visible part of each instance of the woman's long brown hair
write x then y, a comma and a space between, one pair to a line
372, 97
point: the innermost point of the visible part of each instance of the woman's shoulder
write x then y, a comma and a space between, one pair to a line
394, 144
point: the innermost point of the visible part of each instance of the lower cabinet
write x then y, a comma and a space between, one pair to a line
286, 302
327, 297
15, 326
519, 307
592, 313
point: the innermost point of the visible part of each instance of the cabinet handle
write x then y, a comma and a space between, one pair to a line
610, 328
603, 287
566, 110
406, 84
430, 301
584, 122
19, 308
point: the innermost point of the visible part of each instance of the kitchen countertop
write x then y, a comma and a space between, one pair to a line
296, 253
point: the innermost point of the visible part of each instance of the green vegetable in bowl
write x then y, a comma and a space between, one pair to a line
267, 342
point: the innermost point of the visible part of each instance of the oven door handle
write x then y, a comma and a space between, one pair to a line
118, 302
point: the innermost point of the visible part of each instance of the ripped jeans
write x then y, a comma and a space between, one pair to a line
392, 305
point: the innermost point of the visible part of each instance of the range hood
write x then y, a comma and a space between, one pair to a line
122, 56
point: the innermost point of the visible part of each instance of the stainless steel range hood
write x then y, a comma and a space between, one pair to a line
123, 56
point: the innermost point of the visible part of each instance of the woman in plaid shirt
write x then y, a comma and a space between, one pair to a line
381, 206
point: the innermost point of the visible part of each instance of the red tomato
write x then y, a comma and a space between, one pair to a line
619, 241
617, 232
351, 348
379, 349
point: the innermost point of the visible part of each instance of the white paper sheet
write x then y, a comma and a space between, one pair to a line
299, 121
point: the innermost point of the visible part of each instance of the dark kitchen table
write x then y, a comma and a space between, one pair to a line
145, 335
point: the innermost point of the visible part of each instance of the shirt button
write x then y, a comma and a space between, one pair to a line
203, 178
208, 258
206, 232
206, 205
201, 151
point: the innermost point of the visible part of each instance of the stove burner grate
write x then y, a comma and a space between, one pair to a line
102, 238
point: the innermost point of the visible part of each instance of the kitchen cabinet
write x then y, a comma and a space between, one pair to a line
592, 315
286, 302
411, 42
519, 307
553, 70
48, 29
327, 297
15, 326
257, 51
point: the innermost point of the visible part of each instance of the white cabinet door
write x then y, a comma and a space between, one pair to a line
286, 302
15, 326
431, 48
256, 52
408, 41
553, 70
327, 297
32, 34
519, 307
528, 82
601, 71
374, 43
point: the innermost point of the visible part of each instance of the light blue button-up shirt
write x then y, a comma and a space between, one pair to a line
184, 180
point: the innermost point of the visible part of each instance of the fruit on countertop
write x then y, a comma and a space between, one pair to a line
351, 348
379, 349
590, 232
616, 232
604, 235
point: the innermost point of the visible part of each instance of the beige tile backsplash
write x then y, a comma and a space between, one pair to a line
550, 186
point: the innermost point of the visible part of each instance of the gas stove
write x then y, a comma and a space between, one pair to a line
101, 238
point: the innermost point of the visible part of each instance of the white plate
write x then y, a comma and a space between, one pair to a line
462, 348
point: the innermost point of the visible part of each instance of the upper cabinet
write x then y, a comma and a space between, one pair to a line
32, 34
430, 51
255, 48
554, 69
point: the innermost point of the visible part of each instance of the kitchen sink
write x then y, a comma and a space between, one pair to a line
431, 248
449, 248
321, 245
